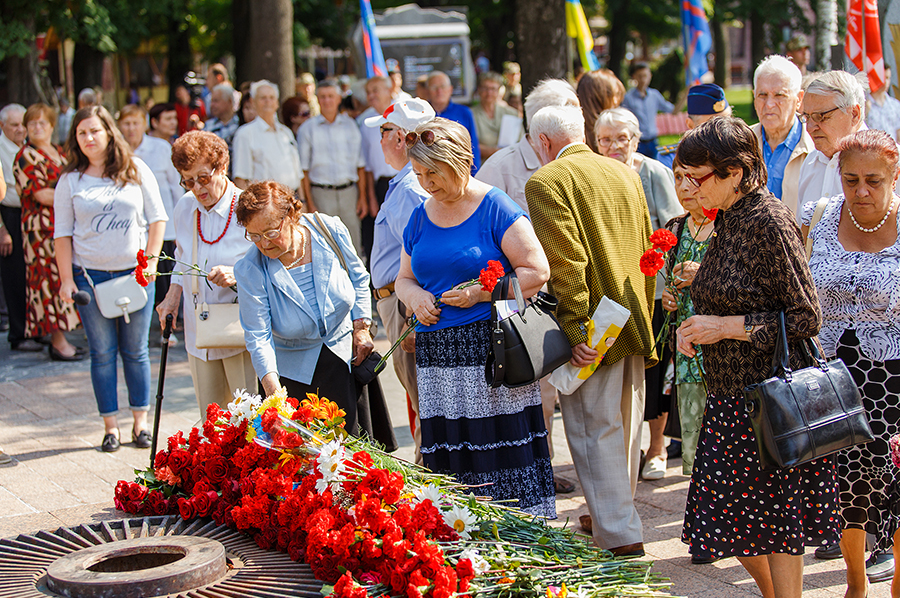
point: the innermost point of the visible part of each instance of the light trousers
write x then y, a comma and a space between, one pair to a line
341, 203
603, 421
216, 380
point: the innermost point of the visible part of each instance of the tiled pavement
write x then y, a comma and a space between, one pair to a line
49, 423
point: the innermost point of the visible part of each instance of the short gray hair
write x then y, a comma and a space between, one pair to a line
846, 89
256, 85
225, 90
618, 117
88, 96
558, 123
783, 68
549, 92
9, 109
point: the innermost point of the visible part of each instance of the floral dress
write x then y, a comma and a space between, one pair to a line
34, 170
755, 266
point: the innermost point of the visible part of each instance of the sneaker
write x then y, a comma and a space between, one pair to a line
4, 458
655, 468
880, 567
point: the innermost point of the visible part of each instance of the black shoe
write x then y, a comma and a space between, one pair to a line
81, 350
110, 444
880, 567
29, 345
674, 449
57, 356
562, 485
703, 559
829, 552
142, 439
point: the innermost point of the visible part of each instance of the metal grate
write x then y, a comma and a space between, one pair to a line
252, 572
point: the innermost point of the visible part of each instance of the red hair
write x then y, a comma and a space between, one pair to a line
871, 141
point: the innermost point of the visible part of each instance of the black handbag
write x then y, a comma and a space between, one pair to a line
803, 415
527, 345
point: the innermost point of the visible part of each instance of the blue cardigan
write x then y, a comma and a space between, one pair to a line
280, 329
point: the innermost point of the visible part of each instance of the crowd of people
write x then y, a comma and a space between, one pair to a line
309, 212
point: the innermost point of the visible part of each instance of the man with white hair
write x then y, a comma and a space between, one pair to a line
87, 97
783, 140
333, 164
833, 106
264, 149
12, 254
591, 217
509, 169
404, 194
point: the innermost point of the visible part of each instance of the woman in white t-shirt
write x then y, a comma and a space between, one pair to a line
107, 208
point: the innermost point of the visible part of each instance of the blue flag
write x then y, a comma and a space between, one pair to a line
375, 66
697, 40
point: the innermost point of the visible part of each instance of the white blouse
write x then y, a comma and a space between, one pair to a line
857, 290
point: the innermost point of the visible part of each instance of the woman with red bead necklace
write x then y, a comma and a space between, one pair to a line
204, 218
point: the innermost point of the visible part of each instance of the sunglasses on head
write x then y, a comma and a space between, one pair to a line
426, 137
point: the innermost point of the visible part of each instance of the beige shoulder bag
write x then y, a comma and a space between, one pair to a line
817, 215
218, 324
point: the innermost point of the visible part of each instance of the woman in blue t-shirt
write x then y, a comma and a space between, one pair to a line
484, 436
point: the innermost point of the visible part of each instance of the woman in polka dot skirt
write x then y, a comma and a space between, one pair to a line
754, 268
855, 263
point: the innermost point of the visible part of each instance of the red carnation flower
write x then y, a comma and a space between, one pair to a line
651, 262
142, 259
139, 276
663, 239
490, 275
711, 214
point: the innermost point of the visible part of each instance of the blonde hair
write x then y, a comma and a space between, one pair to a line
452, 146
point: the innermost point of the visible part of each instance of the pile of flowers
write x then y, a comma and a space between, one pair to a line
285, 472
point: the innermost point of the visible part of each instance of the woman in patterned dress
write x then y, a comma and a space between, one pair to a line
37, 168
754, 268
855, 263
491, 437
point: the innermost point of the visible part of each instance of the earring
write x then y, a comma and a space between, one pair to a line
735, 190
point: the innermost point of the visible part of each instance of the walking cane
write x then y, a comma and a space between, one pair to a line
167, 332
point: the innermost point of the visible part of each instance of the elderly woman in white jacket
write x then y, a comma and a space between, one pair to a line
306, 317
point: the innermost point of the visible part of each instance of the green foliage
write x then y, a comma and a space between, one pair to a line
85, 21
325, 22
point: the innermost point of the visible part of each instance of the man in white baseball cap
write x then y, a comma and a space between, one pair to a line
404, 194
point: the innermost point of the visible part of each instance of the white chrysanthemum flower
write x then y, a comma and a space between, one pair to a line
460, 519
428, 492
331, 451
479, 564
243, 406
579, 593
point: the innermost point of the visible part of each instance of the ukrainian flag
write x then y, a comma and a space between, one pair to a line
374, 58
577, 27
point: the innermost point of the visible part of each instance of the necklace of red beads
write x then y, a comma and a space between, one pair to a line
227, 224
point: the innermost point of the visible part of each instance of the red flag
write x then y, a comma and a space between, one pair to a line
866, 36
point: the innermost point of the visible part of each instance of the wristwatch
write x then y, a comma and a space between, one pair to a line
748, 328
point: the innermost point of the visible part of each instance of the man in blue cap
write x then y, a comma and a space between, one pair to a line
703, 103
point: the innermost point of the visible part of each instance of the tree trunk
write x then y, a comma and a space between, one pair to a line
26, 84
180, 58
240, 13
722, 48
619, 29
267, 52
757, 37
540, 40
87, 68
826, 33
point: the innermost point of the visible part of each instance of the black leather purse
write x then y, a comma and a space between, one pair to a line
527, 345
803, 415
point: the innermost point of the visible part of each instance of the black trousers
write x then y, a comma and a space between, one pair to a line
13, 266
368, 223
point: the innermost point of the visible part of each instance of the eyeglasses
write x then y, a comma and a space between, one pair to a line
697, 182
817, 117
203, 179
306, 114
269, 234
427, 137
609, 141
